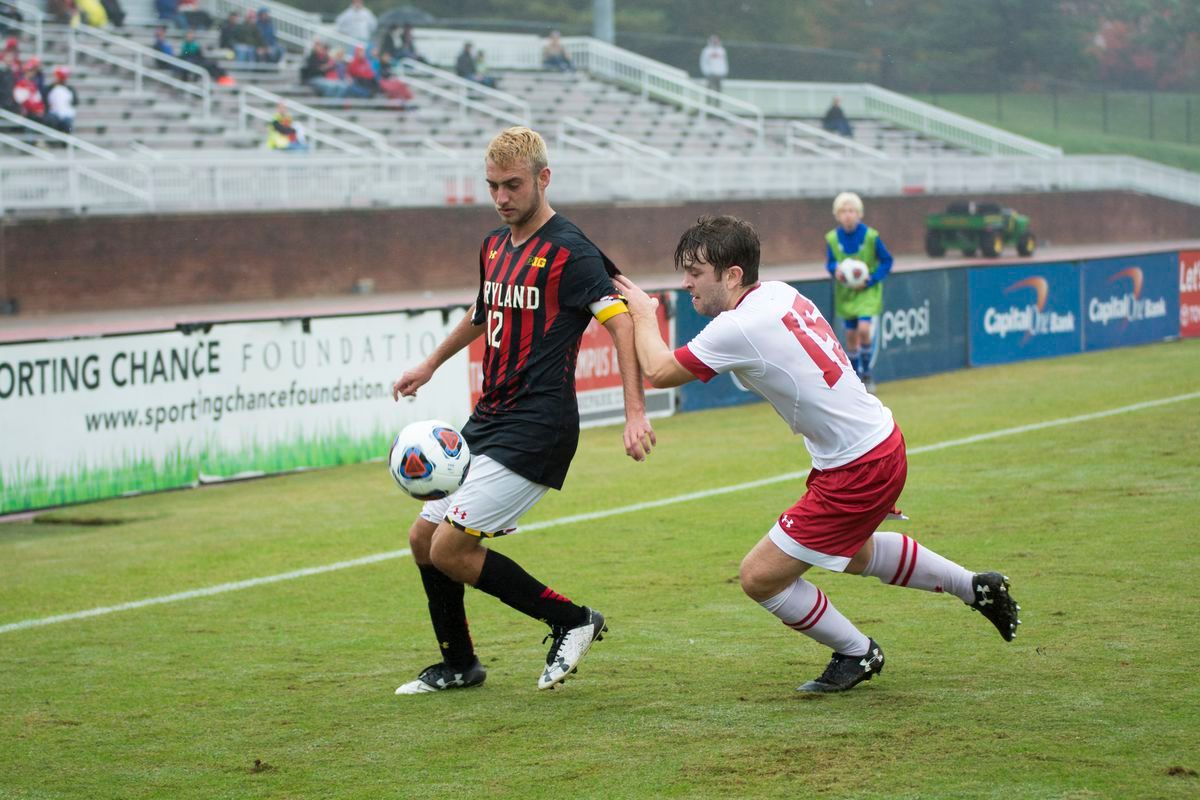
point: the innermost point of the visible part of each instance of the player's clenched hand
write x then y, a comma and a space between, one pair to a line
640, 304
408, 383
639, 438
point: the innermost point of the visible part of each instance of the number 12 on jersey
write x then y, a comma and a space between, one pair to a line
810, 329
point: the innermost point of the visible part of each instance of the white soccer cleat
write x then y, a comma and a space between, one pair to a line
569, 647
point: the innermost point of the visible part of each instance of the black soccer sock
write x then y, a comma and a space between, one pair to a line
448, 615
503, 578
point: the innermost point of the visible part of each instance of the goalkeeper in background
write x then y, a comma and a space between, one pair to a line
858, 308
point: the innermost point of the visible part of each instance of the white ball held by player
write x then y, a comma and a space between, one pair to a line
429, 459
852, 273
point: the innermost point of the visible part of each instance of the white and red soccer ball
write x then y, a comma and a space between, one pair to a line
853, 273
429, 459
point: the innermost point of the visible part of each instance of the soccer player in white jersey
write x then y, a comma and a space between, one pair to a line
777, 343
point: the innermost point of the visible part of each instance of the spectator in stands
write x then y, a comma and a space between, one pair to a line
283, 133
61, 11
61, 101
362, 73
9, 13
390, 85
168, 11
408, 46
8, 81
248, 42
116, 14
554, 55
195, 16
714, 63
225, 34
358, 22
192, 51
465, 67
337, 81
29, 100
835, 120
32, 69
266, 26
316, 63
92, 12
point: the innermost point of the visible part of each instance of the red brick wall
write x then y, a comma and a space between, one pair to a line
93, 263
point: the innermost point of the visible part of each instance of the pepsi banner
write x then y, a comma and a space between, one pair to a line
1130, 300
1019, 313
923, 328
724, 390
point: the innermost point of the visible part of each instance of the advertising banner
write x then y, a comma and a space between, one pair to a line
1189, 293
1130, 300
88, 419
1018, 313
923, 328
597, 377
724, 390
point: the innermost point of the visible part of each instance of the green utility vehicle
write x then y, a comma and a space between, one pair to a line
983, 227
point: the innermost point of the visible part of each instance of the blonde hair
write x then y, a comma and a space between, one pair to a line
850, 199
515, 145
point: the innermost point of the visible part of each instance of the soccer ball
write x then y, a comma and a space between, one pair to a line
852, 273
429, 459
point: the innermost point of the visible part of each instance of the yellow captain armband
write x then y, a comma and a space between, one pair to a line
607, 308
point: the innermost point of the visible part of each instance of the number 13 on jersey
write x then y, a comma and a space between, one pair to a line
812, 331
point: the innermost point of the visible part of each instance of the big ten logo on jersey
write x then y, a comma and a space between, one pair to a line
817, 338
537, 262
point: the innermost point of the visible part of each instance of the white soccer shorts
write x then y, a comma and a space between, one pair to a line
489, 503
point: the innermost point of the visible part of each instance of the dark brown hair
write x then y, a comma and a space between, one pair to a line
723, 242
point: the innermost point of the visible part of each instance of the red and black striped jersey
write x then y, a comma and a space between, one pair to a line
535, 301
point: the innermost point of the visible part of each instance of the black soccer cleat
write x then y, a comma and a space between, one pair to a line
994, 602
845, 672
439, 677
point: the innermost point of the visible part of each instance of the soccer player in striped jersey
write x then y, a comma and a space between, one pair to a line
541, 282
777, 343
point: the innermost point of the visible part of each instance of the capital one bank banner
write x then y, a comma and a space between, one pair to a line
94, 418
1019, 313
1130, 300
1189, 293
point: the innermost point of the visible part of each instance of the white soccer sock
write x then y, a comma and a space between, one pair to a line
900, 561
805, 608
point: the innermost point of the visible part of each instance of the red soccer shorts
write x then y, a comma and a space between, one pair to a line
843, 506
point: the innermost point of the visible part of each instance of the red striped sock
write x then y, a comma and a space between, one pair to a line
805, 608
898, 560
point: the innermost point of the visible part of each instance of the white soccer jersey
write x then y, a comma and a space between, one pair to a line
777, 344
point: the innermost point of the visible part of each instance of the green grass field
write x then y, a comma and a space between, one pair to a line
285, 690
1165, 129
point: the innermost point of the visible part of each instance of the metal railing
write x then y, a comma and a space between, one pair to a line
659, 81
800, 134
377, 141
791, 99
71, 179
211, 182
144, 62
465, 91
612, 142
33, 24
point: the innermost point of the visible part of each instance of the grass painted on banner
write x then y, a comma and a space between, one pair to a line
36, 485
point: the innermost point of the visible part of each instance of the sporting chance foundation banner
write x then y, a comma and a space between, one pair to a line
88, 419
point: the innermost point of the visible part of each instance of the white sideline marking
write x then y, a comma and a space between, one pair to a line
594, 515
